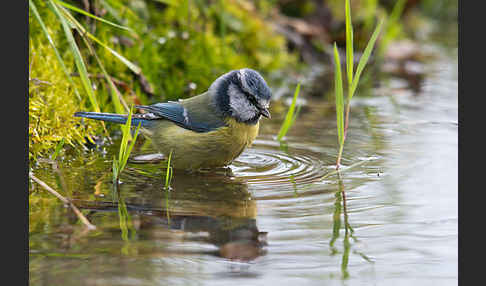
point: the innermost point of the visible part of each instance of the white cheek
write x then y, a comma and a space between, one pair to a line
240, 104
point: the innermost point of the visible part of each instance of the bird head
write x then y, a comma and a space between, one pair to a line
243, 95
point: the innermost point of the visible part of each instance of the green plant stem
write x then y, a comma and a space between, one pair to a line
346, 120
338, 161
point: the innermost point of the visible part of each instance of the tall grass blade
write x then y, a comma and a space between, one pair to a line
397, 10
349, 44
81, 11
168, 174
168, 179
51, 42
289, 117
59, 146
78, 59
132, 143
364, 58
393, 26
126, 136
114, 168
125, 149
116, 96
338, 89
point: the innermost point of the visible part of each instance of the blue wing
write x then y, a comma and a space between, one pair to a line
195, 116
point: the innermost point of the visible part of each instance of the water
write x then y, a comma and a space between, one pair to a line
272, 217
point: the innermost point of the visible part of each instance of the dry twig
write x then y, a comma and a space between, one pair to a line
64, 200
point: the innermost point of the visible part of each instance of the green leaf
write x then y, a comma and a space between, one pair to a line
132, 143
168, 174
126, 135
125, 149
349, 44
364, 58
115, 169
289, 118
59, 146
338, 89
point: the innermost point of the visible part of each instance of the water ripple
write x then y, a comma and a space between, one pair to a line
268, 166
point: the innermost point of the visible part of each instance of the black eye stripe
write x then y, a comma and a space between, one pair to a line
251, 98
248, 95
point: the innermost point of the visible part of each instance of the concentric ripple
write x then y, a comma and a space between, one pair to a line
267, 165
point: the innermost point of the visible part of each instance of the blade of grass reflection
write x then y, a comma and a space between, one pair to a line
334, 172
168, 179
346, 243
128, 232
336, 225
294, 185
124, 218
341, 207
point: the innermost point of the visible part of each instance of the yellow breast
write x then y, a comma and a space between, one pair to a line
193, 150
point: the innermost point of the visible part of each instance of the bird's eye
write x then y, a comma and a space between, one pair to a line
251, 98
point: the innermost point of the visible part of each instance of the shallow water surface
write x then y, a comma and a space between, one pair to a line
390, 216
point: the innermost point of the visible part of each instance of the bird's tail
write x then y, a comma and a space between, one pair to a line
112, 117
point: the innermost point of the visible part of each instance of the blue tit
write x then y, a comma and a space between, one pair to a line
209, 130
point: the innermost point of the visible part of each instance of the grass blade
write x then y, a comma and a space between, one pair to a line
132, 143
114, 168
338, 89
349, 44
364, 58
116, 96
78, 59
289, 118
81, 11
59, 146
126, 135
168, 174
125, 149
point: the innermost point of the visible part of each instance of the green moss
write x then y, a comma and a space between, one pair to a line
52, 103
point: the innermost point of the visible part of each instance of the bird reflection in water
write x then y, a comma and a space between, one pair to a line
212, 207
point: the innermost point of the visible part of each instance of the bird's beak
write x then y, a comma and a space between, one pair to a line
265, 112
